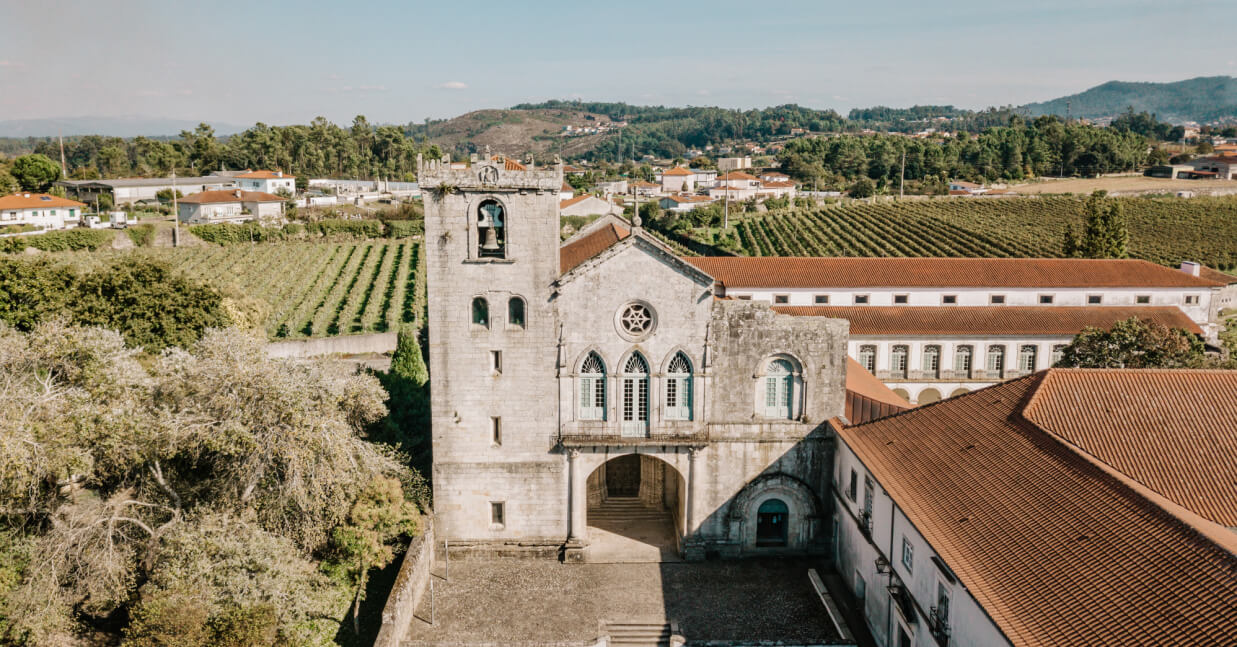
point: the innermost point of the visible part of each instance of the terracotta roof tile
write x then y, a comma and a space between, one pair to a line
791, 272
573, 254
568, 188
1056, 549
36, 201
989, 320
1216, 275
230, 195
737, 175
677, 171
563, 204
265, 175
867, 398
508, 163
1173, 431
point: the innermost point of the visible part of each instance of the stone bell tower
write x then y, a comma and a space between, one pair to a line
492, 257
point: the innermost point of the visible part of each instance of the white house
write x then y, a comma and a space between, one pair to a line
1045, 511
774, 176
677, 179
567, 192
738, 184
612, 186
235, 205
267, 182
734, 163
587, 205
682, 203
39, 210
1220, 167
961, 187
704, 177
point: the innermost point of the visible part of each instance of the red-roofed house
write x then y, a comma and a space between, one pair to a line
267, 182
587, 205
678, 179
38, 210
233, 205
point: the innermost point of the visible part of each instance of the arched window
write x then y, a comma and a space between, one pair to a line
679, 388
635, 404
867, 358
480, 312
593, 388
779, 389
962, 361
515, 312
932, 361
897, 361
771, 523
1026, 358
996, 361
491, 230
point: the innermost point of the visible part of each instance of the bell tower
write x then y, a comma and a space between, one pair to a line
492, 257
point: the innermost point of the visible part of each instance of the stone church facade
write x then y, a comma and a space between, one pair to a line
566, 375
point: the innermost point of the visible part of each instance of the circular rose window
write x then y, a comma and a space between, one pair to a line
635, 321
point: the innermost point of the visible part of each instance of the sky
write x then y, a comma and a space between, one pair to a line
279, 62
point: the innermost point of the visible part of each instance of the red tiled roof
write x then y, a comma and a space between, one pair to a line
676, 171
867, 398
573, 254
265, 175
576, 200
230, 195
989, 320
688, 198
737, 175
35, 201
778, 185
1216, 275
508, 163
568, 188
1058, 550
1173, 431
806, 272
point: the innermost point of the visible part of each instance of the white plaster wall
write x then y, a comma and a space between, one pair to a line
46, 217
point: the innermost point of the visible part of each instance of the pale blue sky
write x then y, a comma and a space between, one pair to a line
285, 62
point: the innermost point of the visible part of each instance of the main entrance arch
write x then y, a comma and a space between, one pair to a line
636, 510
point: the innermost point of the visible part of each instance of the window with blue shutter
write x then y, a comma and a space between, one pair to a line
593, 388
679, 388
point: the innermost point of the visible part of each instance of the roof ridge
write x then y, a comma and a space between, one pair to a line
955, 398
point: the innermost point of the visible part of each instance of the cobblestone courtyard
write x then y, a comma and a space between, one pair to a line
513, 601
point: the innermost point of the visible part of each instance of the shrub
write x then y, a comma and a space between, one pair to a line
353, 228
17, 229
60, 241
141, 235
404, 228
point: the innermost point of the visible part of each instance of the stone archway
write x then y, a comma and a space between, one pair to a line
754, 522
636, 510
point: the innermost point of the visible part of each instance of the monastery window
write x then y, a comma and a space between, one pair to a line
901, 299
869, 491
932, 361
498, 514
781, 299
496, 362
1143, 299
997, 299
1058, 353
897, 361
496, 431
1095, 299
949, 299
635, 321
996, 361
861, 299
515, 312
491, 230
679, 388
962, 361
1191, 299
821, 299
1046, 299
779, 389
592, 388
908, 555
635, 403
1026, 358
853, 486
867, 358
480, 312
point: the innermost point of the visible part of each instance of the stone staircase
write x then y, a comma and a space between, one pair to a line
619, 511
646, 633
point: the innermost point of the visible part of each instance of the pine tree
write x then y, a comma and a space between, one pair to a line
407, 361
1069, 247
1118, 237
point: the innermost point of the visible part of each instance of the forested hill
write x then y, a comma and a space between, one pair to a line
1203, 99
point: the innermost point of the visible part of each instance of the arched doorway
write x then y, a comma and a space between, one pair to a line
636, 510
775, 514
771, 523
928, 396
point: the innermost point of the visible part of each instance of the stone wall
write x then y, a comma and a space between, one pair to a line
410, 585
382, 342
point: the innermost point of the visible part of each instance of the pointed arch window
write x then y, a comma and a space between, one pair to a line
779, 389
679, 388
593, 388
635, 403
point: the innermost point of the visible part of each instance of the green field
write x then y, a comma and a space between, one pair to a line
1163, 230
314, 289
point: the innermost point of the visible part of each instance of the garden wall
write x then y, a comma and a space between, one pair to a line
409, 587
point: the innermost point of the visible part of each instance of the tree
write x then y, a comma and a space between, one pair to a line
380, 515
1133, 343
407, 426
35, 172
1069, 247
863, 188
1105, 235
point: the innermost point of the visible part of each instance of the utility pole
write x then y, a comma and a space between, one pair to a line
63, 165
175, 211
726, 211
902, 182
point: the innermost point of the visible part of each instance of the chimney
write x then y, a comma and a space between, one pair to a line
1191, 268
278, 173
238, 193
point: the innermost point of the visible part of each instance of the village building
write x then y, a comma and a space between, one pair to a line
1068, 507
682, 203
588, 205
234, 205
644, 189
131, 190
725, 164
567, 192
612, 186
267, 182
40, 210
677, 179
1216, 167
962, 187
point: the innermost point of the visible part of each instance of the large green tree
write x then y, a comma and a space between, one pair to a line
1133, 343
35, 172
1106, 235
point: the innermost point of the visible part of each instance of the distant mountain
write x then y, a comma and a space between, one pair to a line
1203, 99
107, 126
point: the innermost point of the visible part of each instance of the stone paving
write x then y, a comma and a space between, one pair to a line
512, 601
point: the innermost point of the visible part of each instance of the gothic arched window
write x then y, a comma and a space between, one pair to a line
593, 388
679, 388
635, 403
491, 230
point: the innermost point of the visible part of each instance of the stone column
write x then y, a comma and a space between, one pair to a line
693, 489
577, 495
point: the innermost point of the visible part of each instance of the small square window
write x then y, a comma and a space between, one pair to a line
901, 299
1046, 299
822, 299
1094, 299
997, 299
1191, 299
781, 298
496, 431
496, 361
744, 297
498, 513
908, 555
1143, 299
861, 299
949, 299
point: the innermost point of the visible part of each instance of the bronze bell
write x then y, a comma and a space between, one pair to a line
490, 244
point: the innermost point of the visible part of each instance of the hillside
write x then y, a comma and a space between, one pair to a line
517, 132
1202, 99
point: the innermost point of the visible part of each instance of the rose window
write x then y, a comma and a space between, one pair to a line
636, 320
